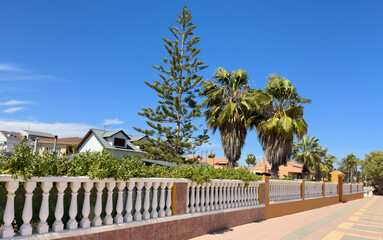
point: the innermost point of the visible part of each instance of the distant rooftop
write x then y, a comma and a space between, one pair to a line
41, 134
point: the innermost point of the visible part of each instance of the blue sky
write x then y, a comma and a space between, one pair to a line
66, 66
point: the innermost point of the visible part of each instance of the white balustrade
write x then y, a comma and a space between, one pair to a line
43, 227
354, 188
97, 221
284, 190
168, 210
26, 228
58, 225
137, 214
85, 223
161, 212
331, 189
157, 195
188, 198
120, 202
9, 212
222, 194
146, 214
313, 189
197, 199
360, 187
346, 188
154, 213
129, 202
207, 197
72, 223
203, 208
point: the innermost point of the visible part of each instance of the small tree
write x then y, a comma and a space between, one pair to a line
172, 133
211, 155
372, 168
250, 159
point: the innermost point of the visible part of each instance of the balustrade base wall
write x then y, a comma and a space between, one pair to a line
352, 196
174, 227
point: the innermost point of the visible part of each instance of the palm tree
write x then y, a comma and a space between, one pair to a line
350, 162
227, 103
250, 159
279, 121
319, 164
328, 164
306, 151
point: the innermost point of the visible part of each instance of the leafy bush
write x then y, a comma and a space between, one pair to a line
22, 162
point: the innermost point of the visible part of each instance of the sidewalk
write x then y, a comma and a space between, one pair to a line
359, 219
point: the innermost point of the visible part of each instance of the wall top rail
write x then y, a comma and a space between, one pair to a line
9, 178
285, 181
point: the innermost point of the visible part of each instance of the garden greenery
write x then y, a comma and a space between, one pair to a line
100, 165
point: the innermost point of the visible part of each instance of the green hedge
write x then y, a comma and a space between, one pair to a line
100, 165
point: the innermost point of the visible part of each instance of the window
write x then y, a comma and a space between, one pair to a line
119, 142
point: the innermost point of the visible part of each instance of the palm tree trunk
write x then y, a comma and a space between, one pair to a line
305, 172
274, 171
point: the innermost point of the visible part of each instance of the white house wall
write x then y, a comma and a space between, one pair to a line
91, 144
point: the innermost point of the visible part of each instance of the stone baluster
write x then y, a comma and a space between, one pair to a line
220, 205
98, 207
228, 196
161, 212
188, 198
168, 210
9, 212
216, 197
203, 208
85, 223
129, 202
59, 211
146, 214
197, 200
43, 227
240, 195
192, 197
109, 203
246, 195
207, 199
236, 195
26, 228
120, 202
72, 223
154, 213
212, 200
232, 197
224, 195
137, 214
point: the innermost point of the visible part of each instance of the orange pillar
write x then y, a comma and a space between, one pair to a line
337, 177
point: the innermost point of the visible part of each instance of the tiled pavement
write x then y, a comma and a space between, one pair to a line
359, 219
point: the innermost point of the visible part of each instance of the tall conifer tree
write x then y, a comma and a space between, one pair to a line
172, 133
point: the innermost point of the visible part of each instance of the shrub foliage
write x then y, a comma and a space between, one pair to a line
100, 165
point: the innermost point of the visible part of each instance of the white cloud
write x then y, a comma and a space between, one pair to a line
60, 129
12, 110
6, 67
14, 102
114, 121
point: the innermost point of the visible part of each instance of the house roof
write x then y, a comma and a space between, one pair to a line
17, 135
137, 138
70, 140
102, 134
42, 134
158, 162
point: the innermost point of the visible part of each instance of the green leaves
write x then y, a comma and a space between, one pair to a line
100, 165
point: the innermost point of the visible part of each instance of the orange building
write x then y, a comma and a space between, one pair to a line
216, 162
292, 169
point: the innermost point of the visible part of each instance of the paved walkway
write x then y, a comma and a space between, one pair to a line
359, 219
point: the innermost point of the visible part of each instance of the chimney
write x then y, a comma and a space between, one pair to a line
55, 145
263, 160
35, 147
